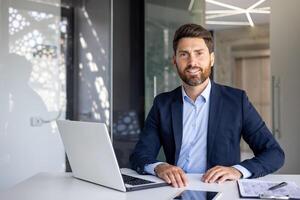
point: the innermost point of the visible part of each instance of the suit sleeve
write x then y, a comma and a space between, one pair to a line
148, 146
268, 155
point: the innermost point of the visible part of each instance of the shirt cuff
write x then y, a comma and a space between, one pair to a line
150, 168
245, 172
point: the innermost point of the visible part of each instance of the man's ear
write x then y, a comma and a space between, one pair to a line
174, 60
212, 58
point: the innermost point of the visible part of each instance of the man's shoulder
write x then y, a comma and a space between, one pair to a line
228, 90
167, 97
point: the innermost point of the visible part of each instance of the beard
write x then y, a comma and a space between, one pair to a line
197, 79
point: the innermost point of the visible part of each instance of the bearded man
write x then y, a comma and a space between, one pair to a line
199, 124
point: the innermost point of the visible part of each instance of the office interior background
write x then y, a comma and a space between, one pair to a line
105, 61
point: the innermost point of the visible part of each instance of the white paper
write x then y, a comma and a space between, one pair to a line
254, 188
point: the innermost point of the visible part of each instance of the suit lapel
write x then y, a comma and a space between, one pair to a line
215, 111
177, 109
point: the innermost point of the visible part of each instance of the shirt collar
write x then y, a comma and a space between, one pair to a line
205, 93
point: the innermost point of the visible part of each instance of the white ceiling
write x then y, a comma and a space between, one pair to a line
224, 14
229, 12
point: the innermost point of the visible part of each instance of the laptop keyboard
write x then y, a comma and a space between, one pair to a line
134, 181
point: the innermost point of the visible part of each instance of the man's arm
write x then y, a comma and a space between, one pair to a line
143, 158
269, 157
147, 148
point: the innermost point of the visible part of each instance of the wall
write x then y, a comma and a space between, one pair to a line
285, 59
242, 38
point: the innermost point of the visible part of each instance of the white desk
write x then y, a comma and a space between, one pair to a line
62, 186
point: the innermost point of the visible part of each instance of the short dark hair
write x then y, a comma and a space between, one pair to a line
193, 30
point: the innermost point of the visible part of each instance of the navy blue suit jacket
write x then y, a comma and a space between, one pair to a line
231, 116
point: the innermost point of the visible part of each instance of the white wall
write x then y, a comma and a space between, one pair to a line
285, 65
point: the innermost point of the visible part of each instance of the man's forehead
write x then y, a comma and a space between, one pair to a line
188, 43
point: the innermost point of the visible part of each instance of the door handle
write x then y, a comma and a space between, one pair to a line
276, 107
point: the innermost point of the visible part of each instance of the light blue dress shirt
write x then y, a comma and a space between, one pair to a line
193, 152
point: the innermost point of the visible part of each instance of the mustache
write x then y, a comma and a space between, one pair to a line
193, 67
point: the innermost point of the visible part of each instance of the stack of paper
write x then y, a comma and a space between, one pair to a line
256, 188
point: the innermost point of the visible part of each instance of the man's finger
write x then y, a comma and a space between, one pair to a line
172, 178
166, 178
184, 178
216, 176
210, 173
224, 178
178, 179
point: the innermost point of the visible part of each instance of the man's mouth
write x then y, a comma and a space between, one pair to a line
193, 71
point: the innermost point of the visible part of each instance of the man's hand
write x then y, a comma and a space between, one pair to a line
171, 174
220, 174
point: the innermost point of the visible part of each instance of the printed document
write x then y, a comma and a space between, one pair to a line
255, 188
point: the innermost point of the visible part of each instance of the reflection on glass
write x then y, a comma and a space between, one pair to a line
94, 62
196, 195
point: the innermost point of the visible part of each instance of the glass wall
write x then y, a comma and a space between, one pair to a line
162, 18
93, 61
32, 88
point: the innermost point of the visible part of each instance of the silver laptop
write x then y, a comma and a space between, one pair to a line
92, 157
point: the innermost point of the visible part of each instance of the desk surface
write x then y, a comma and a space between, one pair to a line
62, 186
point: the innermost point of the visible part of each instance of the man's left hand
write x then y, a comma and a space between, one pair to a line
219, 174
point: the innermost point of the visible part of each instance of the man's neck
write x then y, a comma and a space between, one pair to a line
194, 91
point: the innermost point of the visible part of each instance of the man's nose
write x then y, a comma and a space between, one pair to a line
192, 60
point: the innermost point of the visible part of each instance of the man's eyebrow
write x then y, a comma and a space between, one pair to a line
182, 50
187, 51
199, 50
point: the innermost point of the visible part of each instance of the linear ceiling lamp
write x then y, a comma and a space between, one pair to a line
227, 23
233, 10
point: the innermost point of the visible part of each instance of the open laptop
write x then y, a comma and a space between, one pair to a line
92, 157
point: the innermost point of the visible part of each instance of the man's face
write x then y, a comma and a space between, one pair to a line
193, 60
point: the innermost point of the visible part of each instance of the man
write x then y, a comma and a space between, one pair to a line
200, 124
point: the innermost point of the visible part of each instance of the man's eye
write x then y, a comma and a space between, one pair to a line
183, 54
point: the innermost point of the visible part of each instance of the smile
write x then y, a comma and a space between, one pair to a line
193, 71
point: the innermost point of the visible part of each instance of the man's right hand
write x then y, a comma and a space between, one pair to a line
171, 174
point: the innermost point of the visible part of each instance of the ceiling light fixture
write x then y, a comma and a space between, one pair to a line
227, 23
191, 5
233, 10
249, 19
221, 15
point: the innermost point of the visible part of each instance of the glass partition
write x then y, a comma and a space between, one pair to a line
32, 88
162, 18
